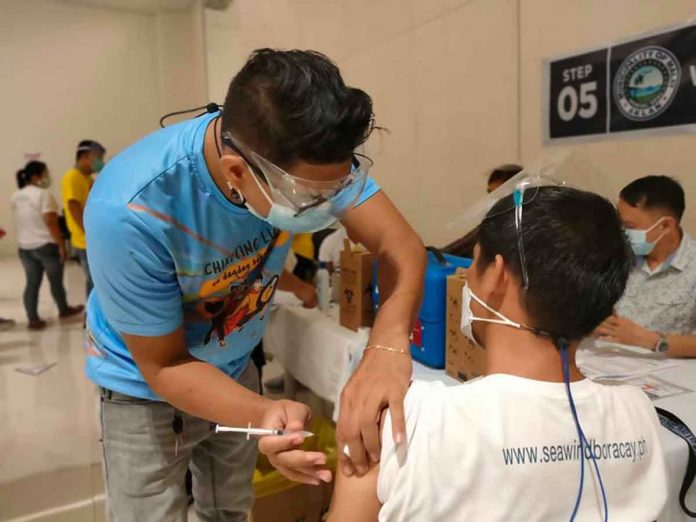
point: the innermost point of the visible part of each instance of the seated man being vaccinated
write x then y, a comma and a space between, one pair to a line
532, 439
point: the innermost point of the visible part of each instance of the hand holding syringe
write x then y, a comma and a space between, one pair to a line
281, 436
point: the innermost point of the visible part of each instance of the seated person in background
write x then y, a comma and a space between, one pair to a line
500, 175
303, 248
658, 310
464, 246
331, 248
506, 446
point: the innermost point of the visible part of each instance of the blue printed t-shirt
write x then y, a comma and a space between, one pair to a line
166, 247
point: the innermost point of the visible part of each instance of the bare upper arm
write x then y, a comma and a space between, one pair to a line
355, 498
76, 210
151, 354
50, 218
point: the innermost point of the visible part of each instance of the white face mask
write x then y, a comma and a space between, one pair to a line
468, 316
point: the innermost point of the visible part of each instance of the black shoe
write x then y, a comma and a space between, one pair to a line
6, 324
71, 311
39, 324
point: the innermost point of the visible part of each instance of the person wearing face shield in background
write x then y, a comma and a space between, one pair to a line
532, 439
75, 187
464, 246
188, 232
658, 310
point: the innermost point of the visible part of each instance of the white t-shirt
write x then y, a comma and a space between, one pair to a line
29, 205
506, 448
332, 246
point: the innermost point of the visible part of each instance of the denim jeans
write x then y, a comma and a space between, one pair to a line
145, 462
36, 261
82, 257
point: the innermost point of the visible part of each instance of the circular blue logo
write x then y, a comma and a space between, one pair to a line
646, 83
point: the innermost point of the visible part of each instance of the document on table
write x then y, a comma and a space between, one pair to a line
610, 361
654, 387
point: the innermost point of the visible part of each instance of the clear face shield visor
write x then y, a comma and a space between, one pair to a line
565, 169
302, 194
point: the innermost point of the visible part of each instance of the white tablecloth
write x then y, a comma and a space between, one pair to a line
322, 355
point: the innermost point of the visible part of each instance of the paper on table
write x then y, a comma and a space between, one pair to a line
615, 363
654, 387
35, 369
600, 343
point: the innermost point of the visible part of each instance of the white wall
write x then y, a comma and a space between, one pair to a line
180, 49
71, 72
442, 74
458, 83
224, 53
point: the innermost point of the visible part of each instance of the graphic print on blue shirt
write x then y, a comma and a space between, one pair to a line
166, 248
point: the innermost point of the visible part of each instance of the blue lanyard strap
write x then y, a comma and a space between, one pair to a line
677, 426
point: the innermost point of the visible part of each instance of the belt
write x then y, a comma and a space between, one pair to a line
110, 394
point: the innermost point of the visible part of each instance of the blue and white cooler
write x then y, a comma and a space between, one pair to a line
428, 335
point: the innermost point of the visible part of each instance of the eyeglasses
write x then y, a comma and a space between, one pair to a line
303, 194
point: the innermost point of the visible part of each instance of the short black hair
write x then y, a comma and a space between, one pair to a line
87, 146
31, 169
577, 257
661, 192
294, 105
504, 173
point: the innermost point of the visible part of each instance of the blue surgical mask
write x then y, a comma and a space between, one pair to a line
285, 218
639, 242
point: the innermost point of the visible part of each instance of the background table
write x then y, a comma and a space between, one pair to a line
317, 351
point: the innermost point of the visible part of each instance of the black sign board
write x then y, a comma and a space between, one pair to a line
644, 84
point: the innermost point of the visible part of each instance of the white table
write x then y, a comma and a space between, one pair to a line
314, 349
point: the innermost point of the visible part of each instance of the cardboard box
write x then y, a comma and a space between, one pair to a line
463, 359
356, 308
301, 503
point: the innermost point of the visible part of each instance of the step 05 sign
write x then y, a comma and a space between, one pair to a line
645, 84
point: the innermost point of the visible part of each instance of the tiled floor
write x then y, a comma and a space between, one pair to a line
50, 468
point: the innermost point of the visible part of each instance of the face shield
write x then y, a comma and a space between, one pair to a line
301, 195
565, 169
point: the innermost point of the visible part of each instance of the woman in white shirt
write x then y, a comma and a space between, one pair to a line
41, 244
507, 446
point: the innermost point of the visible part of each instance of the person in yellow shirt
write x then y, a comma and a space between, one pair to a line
75, 188
303, 247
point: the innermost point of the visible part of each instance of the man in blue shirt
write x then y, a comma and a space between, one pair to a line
188, 230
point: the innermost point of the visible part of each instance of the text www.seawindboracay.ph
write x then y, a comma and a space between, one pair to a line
545, 454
